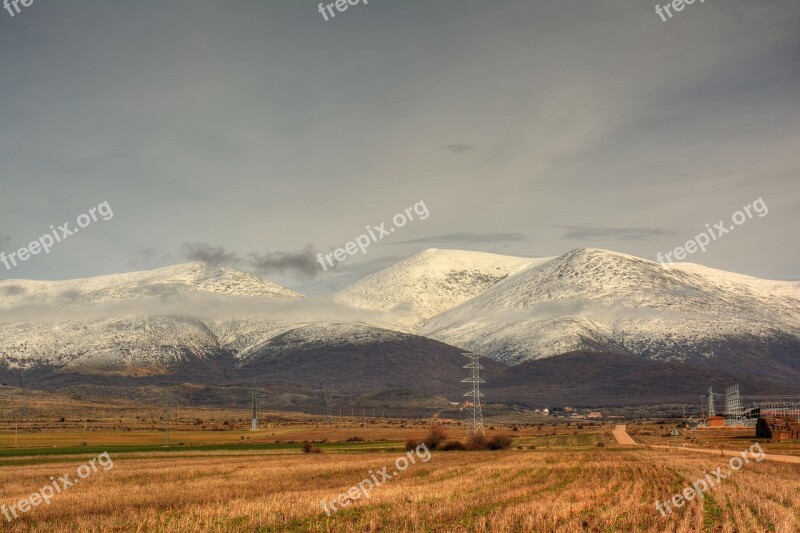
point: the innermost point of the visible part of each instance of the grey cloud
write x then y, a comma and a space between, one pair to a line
303, 263
208, 254
591, 232
13, 290
460, 148
162, 289
70, 294
467, 237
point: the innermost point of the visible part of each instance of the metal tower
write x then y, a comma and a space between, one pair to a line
327, 399
710, 403
476, 425
733, 405
254, 410
168, 401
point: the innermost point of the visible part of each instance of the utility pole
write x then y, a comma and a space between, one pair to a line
254, 409
167, 406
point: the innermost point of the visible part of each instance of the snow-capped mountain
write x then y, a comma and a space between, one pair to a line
430, 282
599, 300
174, 280
512, 309
122, 320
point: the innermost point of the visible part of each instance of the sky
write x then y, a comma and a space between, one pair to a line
258, 134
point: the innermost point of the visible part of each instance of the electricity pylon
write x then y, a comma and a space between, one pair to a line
327, 400
474, 426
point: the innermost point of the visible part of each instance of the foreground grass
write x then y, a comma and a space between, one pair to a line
581, 490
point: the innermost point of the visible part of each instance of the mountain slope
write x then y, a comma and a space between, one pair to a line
121, 321
174, 280
430, 282
359, 359
597, 300
612, 379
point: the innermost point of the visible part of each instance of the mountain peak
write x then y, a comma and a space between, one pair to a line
430, 282
183, 278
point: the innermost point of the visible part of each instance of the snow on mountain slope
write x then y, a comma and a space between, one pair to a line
112, 343
594, 299
429, 283
322, 335
241, 336
86, 332
193, 277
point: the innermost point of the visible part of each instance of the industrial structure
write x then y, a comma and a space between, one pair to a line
327, 400
475, 425
733, 407
772, 420
710, 410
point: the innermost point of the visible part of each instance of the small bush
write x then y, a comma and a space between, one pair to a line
600, 445
500, 442
436, 436
478, 442
452, 445
309, 447
412, 444
355, 439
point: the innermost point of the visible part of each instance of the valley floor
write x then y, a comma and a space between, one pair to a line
600, 489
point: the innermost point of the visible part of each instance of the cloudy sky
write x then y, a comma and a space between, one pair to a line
257, 133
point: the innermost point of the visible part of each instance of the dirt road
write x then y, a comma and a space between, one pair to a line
623, 438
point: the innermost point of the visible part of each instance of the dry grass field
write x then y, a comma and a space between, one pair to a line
219, 476
506, 491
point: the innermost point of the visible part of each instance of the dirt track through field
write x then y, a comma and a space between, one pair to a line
623, 438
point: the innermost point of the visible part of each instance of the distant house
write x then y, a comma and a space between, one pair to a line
716, 421
595, 414
546, 411
568, 409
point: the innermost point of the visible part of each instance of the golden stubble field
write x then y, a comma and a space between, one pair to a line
502, 491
